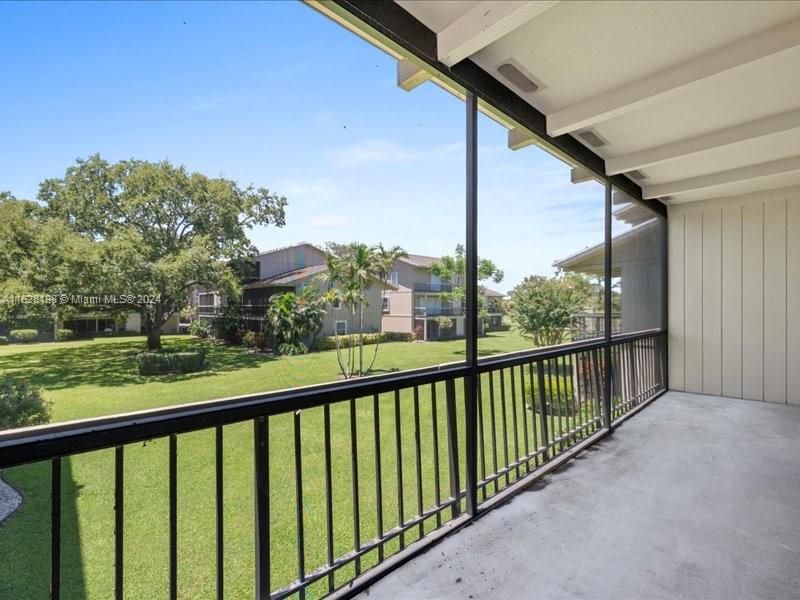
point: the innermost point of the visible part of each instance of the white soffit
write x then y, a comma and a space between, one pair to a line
438, 14
759, 150
584, 52
772, 182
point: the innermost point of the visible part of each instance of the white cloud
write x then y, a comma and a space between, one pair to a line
328, 221
387, 151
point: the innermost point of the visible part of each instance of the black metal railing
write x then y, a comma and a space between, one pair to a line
422, 311
364, 472
246, 311
638, 371
591, 325
433, 288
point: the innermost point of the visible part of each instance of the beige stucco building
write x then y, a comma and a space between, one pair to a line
417, 304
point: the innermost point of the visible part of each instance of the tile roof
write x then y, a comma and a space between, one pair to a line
420, 260
287, 278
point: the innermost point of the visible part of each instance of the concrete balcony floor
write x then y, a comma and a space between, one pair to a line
694, 497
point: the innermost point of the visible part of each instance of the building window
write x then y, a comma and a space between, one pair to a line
337, 304
393, 278
206, 299
341, 327
386, 305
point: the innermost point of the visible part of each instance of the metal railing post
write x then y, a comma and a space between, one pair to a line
606, 367
471, 326
262, 516
543, 406
452, 445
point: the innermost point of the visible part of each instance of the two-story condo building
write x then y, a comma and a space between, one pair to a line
420, 304
290, 269
410, 301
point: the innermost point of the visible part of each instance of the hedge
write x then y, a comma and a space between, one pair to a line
21, 405
63, 335
329, 343
558, 394
201, 329
3, 340
161, 363
287, 349
255, 339
23, 336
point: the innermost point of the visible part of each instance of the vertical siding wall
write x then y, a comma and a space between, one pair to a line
734, 296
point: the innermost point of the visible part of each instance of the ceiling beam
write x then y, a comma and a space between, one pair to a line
580, 175
750, 52
410, 75
485, 23
704, 182
702, 143
519, 138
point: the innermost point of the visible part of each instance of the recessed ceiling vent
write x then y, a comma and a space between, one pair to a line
637, 175
517, 78
591, 138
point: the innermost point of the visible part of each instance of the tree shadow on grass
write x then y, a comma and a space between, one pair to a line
114, 364
25, 536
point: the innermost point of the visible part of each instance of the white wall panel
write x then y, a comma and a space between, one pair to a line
753, 301
793, 299
693, 303
732, 301
676, 303
734, 297
775, 299
712, 302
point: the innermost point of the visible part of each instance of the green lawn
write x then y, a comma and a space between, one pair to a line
86, 379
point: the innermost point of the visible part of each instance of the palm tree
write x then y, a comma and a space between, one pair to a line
352, 270
294, 317
385, 260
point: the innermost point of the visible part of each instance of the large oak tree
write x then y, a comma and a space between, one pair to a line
159, 229
40, 257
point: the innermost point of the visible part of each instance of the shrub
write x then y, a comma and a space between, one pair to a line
397, 336
21, 405
200, 329
62, 335
255, 339
291, 349
558, 394
161, 363
3, 340
345, 341
228, 326
23, 336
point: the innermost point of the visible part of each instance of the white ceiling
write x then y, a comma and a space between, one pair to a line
584, 52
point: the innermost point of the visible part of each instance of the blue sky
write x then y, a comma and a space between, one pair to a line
276, 95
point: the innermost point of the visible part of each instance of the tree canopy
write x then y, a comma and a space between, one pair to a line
158, 229
542, 307
454, 270
40, 256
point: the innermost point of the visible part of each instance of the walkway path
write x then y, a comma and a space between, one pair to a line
9, 500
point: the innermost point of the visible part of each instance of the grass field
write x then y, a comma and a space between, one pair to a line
86, 379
